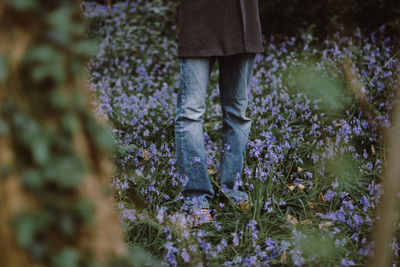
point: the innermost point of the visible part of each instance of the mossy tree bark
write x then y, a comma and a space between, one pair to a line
55, 204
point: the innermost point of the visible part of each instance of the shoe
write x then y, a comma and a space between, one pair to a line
239, 197
201, 216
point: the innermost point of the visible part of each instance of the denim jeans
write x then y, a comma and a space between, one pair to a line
235, 73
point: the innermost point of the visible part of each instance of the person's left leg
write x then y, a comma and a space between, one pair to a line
235, 73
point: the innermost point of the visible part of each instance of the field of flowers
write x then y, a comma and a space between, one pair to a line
313, 162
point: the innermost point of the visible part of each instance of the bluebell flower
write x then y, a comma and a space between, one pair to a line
346, 262
235, 239
329, 195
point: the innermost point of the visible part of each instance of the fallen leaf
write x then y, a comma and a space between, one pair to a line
283, 257
306, 222
291, 219
146, 155
321, 196
310, 205
373, 149
290, 186
211, 171
299, 169
325, 225
301, 186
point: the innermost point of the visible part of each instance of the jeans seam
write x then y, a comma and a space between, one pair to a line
180, 127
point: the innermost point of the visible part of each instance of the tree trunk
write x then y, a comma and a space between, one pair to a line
44, 123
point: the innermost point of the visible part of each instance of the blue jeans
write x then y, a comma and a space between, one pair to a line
235, 73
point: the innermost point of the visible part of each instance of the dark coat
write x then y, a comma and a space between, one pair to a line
218, 28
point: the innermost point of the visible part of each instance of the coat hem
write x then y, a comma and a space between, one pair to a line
218, 53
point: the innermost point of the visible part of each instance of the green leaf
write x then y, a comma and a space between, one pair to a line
76, 66
5, 171
102, 135
28, 225
40, 149
79, 100
26, 128
67, 224
22, 4
70, 123
59, 101
48, 61
140, 257
4, 130
3, 68
66, 258
32, 178
55, 70
66, 170
42, 53
313, 82
60, 19
87, 47
85, 210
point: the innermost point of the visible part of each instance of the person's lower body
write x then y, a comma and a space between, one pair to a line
235, 73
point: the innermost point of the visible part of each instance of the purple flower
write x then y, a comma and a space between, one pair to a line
235, 239
129, 214
185, 256
329, 195
346, 262
365, 202
267, 205
357, 220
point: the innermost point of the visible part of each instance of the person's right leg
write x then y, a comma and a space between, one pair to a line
189, 137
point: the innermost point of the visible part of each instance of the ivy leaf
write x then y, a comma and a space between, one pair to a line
40, 149
66, 258
3, 128
67, 171
48, 63
60, 19
141, 257
26, 128
42, 53
102, 135
84, 209
5, 171
76, 66
70, 123
32, 178
3, 68
67, 225
28, 225
54, 69
87, 47
22, 4
58, 100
